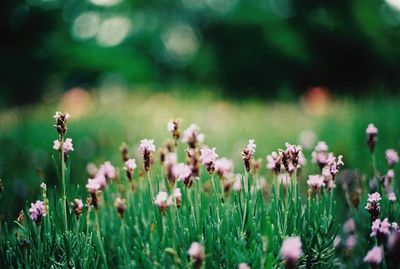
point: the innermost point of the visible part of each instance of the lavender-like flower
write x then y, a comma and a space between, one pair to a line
315, 182
374, 256
162, 201
196, 252
61, 122
274, 162
392, 197
177, 195
93, 186
120, 206
224, 168
130, 166
391, 157
291, 251
208, 158
183, 172
349, 226
373, 205
248, 153
320, 154
192, 136
77, 207
372, 138
173, 127
380, 229
37, 211
146, 147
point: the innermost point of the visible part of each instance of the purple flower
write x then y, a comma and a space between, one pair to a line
392, 157
196, 252
349, 226
392, 197
373, 205
291, 251
351, 242
207, 158
192, 136
315, 182
248, 153
129, 167
374, 256
162, 201
224, 167
146, 147
37, 211
372, 132
68, 146
92, 185
274, 162
380, 228
371, 129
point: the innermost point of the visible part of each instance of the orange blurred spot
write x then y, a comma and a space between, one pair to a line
76, 102
316, 100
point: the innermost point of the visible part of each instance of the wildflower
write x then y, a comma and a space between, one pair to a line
67, 146
380, 228
93, 186
291, 251
274, 162
162, 201
192, 136
302, 160
183, 172
173, 127
61, 122
372, 132
391, 157
177, 195
77, 207
170, 162
237, 184
207, 158
373, 205
130, 166
37, 211
374, 256
351, 242
43, 186
247, 154
120, 206
243, 266
124, 152
392, 197
315, 182
320, 154
145, 148
394, 247
224, 168
387, 179
349, 226
196, 252
395, 226
108, 170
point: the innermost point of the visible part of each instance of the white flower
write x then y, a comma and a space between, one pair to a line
147, 145
316, 181
181, 171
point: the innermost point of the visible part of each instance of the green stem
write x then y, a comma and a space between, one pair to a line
64, 197
100, 241
151, 186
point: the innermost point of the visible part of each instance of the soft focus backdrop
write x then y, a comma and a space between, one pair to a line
268, 48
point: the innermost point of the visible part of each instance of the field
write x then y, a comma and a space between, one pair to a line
246, 227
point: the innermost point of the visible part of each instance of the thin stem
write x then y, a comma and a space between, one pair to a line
63, 183
192, 208
100, 241
151, 186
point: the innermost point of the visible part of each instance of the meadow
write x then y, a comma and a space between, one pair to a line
251, 217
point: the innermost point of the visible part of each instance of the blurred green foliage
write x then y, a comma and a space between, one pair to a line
269, 48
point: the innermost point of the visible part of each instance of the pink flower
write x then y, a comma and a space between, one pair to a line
181, 171
224, 167
93, 185
371, 129
146, 145
171, 126
321, 146
291, 249
351, 242
251, 147
192, 135
349, 226
392, 157
177, 195
68, 146
37, 211
130, 165
395, 226
374, 198
237, 184
392, 197
374, 256
196, 252
274, 162
316, 182
380, 228
243, 266
162, 201
207, 158
108, 170
247, 154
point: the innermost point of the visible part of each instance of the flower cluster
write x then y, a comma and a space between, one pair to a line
146, 147
61, 122
208, 158
372, 138
392, 157
380, 228
173, 127
248, 153
192, 136
129, 167
196, 252
182, 172
37, 211
315, 182
291, 251
373, 205
120, 206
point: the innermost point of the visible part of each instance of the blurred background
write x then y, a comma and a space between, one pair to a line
240, 48
273, 70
